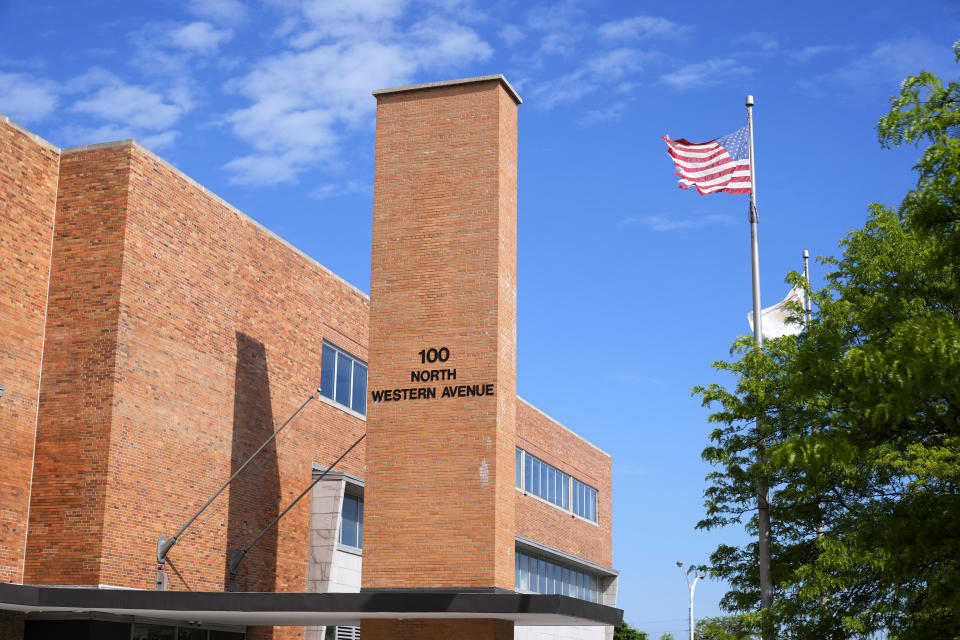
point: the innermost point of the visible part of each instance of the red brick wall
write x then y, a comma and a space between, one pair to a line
28, 191
439, 494
76, 394
538, 520
439, 629
181, 333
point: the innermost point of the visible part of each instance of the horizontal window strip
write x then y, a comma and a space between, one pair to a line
536, 574
545, 481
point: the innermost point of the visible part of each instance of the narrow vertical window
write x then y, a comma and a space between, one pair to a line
351, 522
343, 379
519, 467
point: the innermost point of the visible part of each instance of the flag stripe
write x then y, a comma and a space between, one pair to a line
711, 167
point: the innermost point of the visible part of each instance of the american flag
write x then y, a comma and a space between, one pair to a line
719, 165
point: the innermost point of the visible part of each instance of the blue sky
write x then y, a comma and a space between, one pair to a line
628, 287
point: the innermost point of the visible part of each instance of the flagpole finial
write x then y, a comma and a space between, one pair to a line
749, 101
806, 254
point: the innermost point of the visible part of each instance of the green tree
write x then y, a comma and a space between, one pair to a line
624, 631
722, 628
666, 636
861, 419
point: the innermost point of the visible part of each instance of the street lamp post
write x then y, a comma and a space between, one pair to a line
691, 586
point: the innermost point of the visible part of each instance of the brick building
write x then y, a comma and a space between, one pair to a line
154, 338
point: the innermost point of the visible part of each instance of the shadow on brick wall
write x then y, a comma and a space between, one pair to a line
255, 494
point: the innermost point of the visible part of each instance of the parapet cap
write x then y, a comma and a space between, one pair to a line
449, 83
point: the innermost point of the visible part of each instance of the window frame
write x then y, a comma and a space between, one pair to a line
539, 574
332, 398
535, 472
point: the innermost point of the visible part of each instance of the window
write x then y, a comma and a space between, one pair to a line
351, 522
343, 379
542, 480
546, 481
540, 575
584, 501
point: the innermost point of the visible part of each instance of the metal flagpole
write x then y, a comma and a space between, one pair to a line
806, 298
806, 325
763, 491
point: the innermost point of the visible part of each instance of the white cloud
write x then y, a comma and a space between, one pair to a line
511, 35
608, 114
136, 106
562, 25
315, 20
809, 53
760, 40
658, 222
25, 98
703, 74
305, 100
323, 192
639, 27
199, 37
565, 89
441, 43
124, 110
229, 12
605, 70
614, 64
888, 63
266, 169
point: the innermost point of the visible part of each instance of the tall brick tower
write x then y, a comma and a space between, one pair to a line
442, 414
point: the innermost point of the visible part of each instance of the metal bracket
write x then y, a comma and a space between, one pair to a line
163, 548
236, 557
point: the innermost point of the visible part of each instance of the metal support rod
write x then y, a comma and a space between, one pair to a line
236, 557
763, 491
165, 544
691, 586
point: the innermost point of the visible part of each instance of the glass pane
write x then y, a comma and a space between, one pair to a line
359, 402
524, 573
566, 491
528, 478
550, 494
348, 521
225, 635
360, 527
344, 373
190, 633
153, 632
519, 467
327, 367
544, 483
536, 477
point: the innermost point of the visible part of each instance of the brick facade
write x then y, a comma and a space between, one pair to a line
28, 195
439, 489
538, 520
174, 334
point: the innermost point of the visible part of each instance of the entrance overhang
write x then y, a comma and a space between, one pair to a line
307, 609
